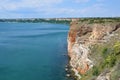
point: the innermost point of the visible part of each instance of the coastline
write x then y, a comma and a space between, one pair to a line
87, 43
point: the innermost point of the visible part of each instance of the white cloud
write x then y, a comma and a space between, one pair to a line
14, 5
81, 1
16, 8
94, 10
101, 0
50, 8
45, 7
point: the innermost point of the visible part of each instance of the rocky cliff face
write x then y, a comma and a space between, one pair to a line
86, 47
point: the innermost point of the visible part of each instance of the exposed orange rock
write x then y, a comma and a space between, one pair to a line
80, 37
83, 70
72, 36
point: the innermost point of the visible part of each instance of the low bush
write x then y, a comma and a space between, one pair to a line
116, 48
105, 52
95, 71
110, 60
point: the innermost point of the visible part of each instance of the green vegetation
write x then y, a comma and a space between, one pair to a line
110, 58
110, 61
106, 58
116, 48
100, 20
38, 20
95, 71
65, 20
104, 52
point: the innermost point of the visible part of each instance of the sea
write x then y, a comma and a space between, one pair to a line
33, 51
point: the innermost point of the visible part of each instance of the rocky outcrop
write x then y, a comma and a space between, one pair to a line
81, 37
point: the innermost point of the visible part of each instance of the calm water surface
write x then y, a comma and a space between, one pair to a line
33, 51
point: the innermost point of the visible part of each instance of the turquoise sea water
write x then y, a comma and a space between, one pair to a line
33, 51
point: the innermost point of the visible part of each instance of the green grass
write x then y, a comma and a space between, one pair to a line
106, 57
99, 20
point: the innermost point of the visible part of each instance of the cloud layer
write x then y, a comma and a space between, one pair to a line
58, 8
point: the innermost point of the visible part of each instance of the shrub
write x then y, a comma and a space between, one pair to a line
110, 60
116, 48
105, 52
95, 71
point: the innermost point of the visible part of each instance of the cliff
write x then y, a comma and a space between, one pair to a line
94, 49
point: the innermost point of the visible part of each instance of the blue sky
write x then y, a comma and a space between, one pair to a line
59, 8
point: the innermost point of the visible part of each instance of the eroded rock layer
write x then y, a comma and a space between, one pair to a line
82, 38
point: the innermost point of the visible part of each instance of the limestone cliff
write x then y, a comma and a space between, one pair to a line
92, 51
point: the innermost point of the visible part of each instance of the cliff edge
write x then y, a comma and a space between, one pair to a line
94, 49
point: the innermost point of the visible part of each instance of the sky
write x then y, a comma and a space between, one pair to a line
59, 8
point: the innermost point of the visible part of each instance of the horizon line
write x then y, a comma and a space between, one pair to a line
61, 17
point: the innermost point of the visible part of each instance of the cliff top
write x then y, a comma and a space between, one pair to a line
97, 20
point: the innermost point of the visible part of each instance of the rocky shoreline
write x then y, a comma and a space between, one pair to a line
84, 57
70, 74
